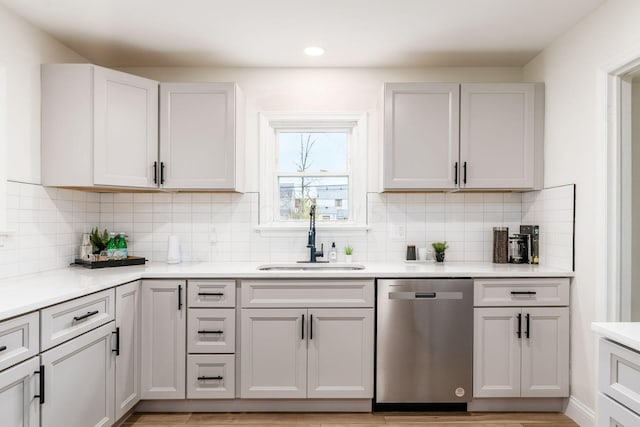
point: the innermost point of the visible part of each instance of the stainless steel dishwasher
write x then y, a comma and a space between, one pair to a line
424, 350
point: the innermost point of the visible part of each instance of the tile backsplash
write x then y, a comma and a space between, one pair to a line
222, 226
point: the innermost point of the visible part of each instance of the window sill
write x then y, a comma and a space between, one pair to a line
296, 229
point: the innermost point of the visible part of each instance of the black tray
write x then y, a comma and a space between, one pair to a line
132, 260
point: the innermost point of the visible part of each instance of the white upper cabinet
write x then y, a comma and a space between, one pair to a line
420, 135
498, 131
440, 136
99, 127
200, 140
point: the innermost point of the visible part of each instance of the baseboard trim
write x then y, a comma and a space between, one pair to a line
580, 413
256, 405
538, 404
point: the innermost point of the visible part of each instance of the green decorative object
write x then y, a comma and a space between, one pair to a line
439, 248
348, 250
98, 240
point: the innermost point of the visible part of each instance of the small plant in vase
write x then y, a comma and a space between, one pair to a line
439, 249
348, 253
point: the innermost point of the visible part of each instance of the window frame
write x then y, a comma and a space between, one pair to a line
278, 173
270, 124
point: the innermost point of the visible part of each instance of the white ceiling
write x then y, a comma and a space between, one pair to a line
272, 33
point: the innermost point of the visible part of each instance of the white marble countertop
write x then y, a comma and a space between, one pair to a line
625, 333
23, 294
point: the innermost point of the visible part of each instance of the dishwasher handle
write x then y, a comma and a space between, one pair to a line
454, 295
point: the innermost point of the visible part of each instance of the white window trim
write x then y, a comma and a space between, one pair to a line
272, 121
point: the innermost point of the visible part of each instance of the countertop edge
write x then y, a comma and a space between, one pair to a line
625, 333
92, 281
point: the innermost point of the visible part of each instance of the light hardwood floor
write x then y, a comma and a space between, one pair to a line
386, 419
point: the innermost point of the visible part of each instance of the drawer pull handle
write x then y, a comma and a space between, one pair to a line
41, 373
519, 332
211, 294
211, 332
86, 316
209, 378
523, 292
3, 348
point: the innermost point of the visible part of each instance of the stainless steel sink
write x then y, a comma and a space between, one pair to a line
311, 267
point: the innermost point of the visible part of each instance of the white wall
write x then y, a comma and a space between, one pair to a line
635, 189
22, 49
326, 90
569, 67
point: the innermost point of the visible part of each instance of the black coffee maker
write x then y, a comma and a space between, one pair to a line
524, 246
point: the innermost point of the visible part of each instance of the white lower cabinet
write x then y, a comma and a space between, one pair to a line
163, 339
18, 386
612, 414
274, 353
210, 376
79, 381
307, 353
521, 352
127, 382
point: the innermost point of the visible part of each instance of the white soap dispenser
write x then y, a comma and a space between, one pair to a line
333, 253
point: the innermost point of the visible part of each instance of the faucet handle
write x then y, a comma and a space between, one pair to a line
321, 252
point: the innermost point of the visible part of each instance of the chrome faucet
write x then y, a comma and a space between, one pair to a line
311, 243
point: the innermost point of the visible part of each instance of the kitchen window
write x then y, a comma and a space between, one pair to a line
312, 159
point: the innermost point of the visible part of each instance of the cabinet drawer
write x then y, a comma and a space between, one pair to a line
619, 374
70, 319
521, 292
211, 293
18, 339
211, 376
613, 414
211, 330
307, 293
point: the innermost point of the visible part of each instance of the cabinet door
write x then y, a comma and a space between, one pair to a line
545, 352
128, 356
197, 135
79, 381
496, 355
18, 406
125, 129
420, 135
274, 353
340, 353
497, 135
163, 339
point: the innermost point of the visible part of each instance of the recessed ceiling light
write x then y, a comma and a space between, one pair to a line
314, 51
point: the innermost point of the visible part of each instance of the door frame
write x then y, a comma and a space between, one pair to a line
613, 282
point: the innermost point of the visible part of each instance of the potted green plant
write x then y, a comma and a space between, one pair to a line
439, 249
348, 253
99, 241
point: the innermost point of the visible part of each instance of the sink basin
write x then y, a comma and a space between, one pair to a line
311, 267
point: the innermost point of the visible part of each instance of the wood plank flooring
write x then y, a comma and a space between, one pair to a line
378, 419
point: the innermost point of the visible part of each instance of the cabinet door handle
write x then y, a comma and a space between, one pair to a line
86, 316
523, 292
455, 173
464, 168
211, 332
209, 378
161, 173
311, 326
117, 349
526, 333
519, 332
3, 348
303, 327
41, 394
179, 297
211, 294
155, 172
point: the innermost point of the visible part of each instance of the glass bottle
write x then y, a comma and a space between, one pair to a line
111, 246
121, 246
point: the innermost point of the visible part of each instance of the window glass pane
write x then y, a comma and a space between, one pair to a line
313, 151
329, 194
